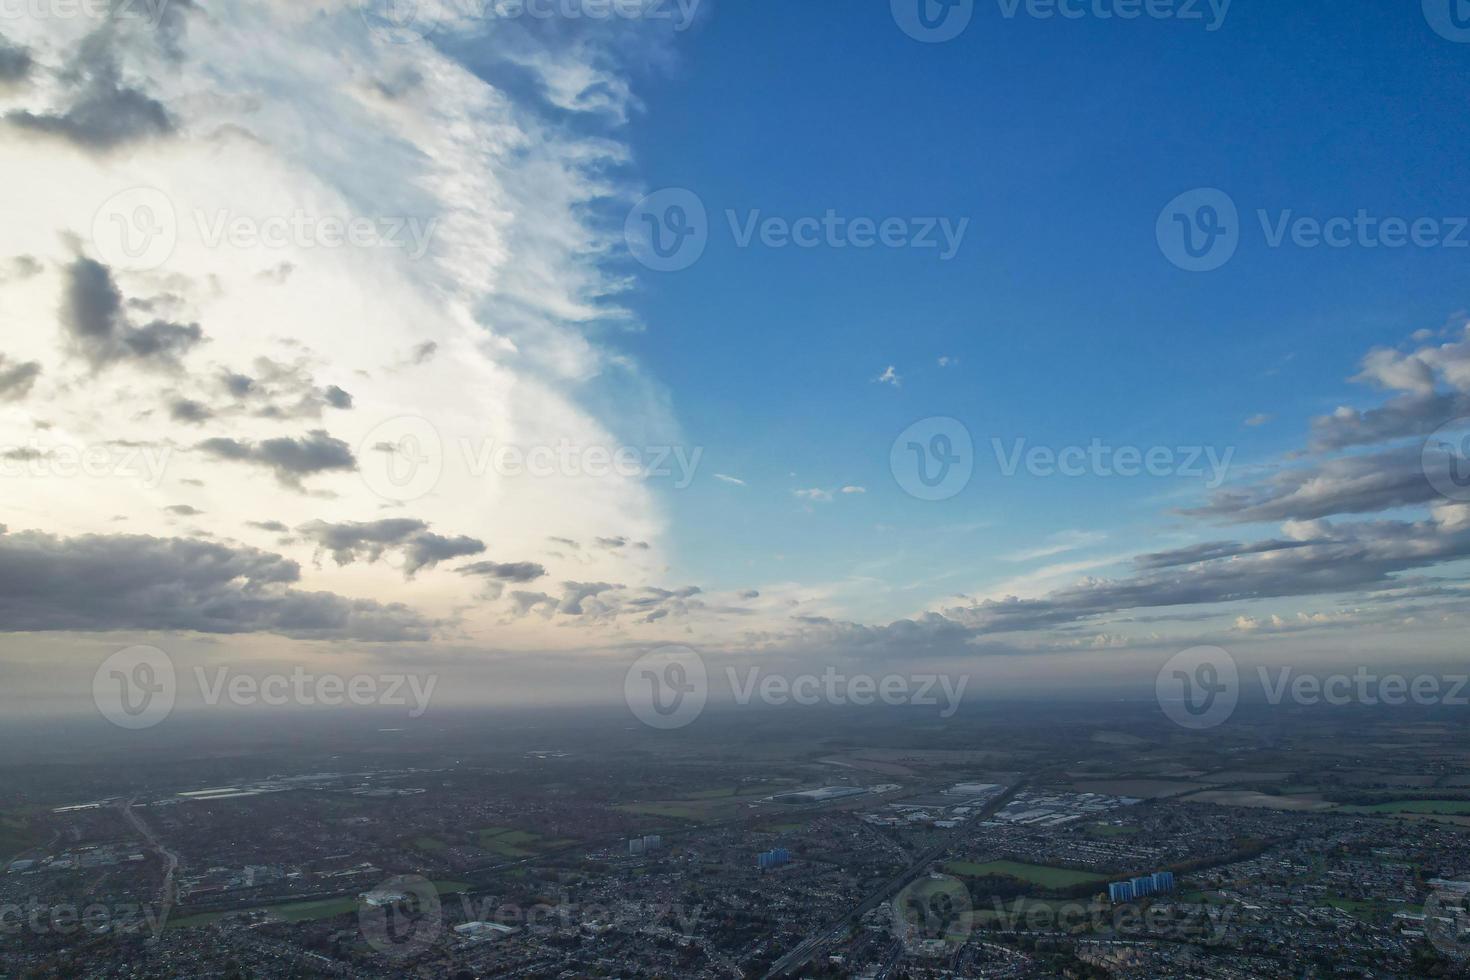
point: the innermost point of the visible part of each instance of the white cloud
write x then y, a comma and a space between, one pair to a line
319, 119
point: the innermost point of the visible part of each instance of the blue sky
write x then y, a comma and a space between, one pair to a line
1061, 141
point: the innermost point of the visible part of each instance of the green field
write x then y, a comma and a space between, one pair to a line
1035, 874
674, 810
16, 834
1108, 830
1413, 806
430, 844
507, 842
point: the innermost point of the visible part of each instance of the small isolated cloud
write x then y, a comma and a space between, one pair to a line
93, 315
947, 361
184, 510
350, 542
519, 572
291, 460
17, 379
732, 480
818, 495
1256, 421
188, 411
889, 376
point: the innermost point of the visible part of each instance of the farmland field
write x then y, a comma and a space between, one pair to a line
1035, 874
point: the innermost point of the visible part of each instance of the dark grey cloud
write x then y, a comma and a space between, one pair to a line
184, 510
236, 384
369, 542
594, 602
1350, 485
1332, 559
103, 583
519, 572
17, 378
278, 390
104, 112
1406, 416
618, 543
275, 526
94, 318
424, 353
188, 411
15, 63
1212, 550
291, 460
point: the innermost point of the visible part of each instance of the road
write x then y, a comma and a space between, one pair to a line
166, 894
813, 944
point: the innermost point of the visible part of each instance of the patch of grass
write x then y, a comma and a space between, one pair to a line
508, 842
16, 832
1413, 806
1108, 830
1035, 874
431, 845
673, 810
